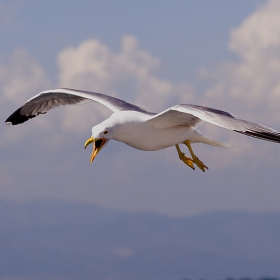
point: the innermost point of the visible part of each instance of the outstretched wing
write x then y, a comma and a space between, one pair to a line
191, 115
49, 99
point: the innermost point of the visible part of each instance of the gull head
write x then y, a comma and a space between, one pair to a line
101, 135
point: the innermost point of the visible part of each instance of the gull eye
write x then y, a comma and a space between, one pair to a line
105, 132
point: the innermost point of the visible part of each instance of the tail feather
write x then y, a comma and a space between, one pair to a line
215, 143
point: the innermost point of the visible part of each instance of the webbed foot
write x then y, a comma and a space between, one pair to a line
188, 161
195, 159
199, 163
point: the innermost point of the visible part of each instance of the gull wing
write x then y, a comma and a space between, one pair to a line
49, 99
191, 115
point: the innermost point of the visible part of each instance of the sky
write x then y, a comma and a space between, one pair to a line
155, 54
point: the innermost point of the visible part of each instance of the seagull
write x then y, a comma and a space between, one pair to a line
142, 129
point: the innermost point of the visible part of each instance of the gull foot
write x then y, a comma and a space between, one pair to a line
199, 163
188, 161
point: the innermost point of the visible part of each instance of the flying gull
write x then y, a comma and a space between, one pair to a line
141, 129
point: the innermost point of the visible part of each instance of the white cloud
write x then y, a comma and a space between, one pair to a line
85, 66
131, 74
258, 33
254, 81
250, 87
257, 42
21, 76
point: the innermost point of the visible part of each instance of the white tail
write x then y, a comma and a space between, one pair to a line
215, 143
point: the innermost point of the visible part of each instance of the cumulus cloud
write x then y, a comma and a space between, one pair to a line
250, 86
253, 81
257, 42
131, 74
259, 33
21, 76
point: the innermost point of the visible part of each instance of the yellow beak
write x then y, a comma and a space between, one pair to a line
96, 147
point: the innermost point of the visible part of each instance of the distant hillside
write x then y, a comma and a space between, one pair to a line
66, 240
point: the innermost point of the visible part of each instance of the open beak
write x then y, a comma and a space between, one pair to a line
96, 147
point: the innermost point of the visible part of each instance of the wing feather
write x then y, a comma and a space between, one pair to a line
191, 115
50, 99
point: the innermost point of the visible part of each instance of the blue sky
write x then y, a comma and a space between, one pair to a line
223, 54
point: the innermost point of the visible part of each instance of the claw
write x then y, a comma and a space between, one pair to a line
188, 161
199, 163
195, 159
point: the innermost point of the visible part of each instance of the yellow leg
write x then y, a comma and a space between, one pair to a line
188, 161
195, 159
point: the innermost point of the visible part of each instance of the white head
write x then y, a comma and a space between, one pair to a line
101, 135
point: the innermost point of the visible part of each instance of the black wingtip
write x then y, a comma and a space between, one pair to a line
268, 136
18, 118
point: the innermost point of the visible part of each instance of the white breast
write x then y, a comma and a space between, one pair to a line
135, 131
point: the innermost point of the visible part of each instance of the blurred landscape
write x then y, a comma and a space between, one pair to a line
52, 239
